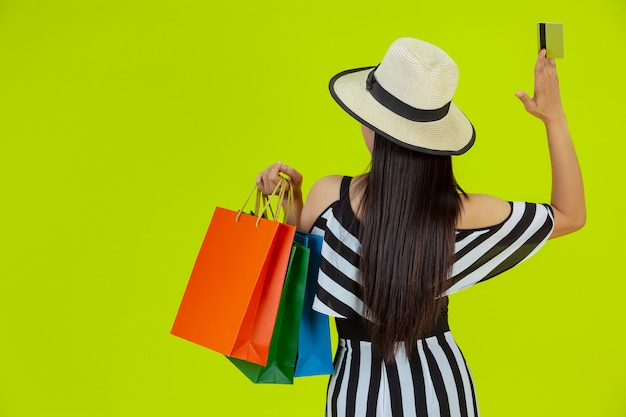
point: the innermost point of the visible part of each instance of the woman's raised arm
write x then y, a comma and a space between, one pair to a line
568, 197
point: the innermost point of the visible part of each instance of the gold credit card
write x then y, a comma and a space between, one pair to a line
550, 36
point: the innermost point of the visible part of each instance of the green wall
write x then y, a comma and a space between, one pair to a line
124, 123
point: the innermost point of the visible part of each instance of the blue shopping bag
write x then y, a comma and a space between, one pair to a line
314, 348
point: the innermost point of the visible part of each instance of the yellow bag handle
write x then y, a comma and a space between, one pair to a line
284, 186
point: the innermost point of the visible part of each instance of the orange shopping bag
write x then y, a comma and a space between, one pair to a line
232, 297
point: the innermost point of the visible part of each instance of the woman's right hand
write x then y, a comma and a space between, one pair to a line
267, 181
269, 178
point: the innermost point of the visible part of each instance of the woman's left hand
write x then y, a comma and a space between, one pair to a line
546, 102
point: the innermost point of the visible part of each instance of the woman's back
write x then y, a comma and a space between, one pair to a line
431, 378
478, 210
481, 252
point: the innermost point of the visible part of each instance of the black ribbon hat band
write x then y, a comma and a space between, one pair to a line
399, 107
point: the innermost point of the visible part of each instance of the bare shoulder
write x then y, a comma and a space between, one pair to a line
325, 190
482, 210
323, 193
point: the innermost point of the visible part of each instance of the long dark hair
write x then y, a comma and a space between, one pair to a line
408, 211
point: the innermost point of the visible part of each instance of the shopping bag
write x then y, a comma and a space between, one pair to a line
232, 296
314, 346
283, 348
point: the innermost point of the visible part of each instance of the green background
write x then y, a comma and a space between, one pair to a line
124, 123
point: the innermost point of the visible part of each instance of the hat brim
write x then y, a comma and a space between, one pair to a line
454, 134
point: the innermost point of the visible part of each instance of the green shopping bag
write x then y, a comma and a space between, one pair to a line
284, 345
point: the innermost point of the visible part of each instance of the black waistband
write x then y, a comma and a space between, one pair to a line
356, 329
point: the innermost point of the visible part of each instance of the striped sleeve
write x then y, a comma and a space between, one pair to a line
482, 254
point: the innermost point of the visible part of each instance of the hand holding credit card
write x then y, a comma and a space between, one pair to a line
550, 37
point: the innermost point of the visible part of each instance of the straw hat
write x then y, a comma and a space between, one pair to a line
407, 98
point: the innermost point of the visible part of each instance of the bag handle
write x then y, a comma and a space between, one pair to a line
291, 201
265, 201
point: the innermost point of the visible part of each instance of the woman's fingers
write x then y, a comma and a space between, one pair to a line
546, 101
268, 179
526, 100
541, 61
294, 176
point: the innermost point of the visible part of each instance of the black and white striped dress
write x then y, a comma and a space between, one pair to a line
436, 380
